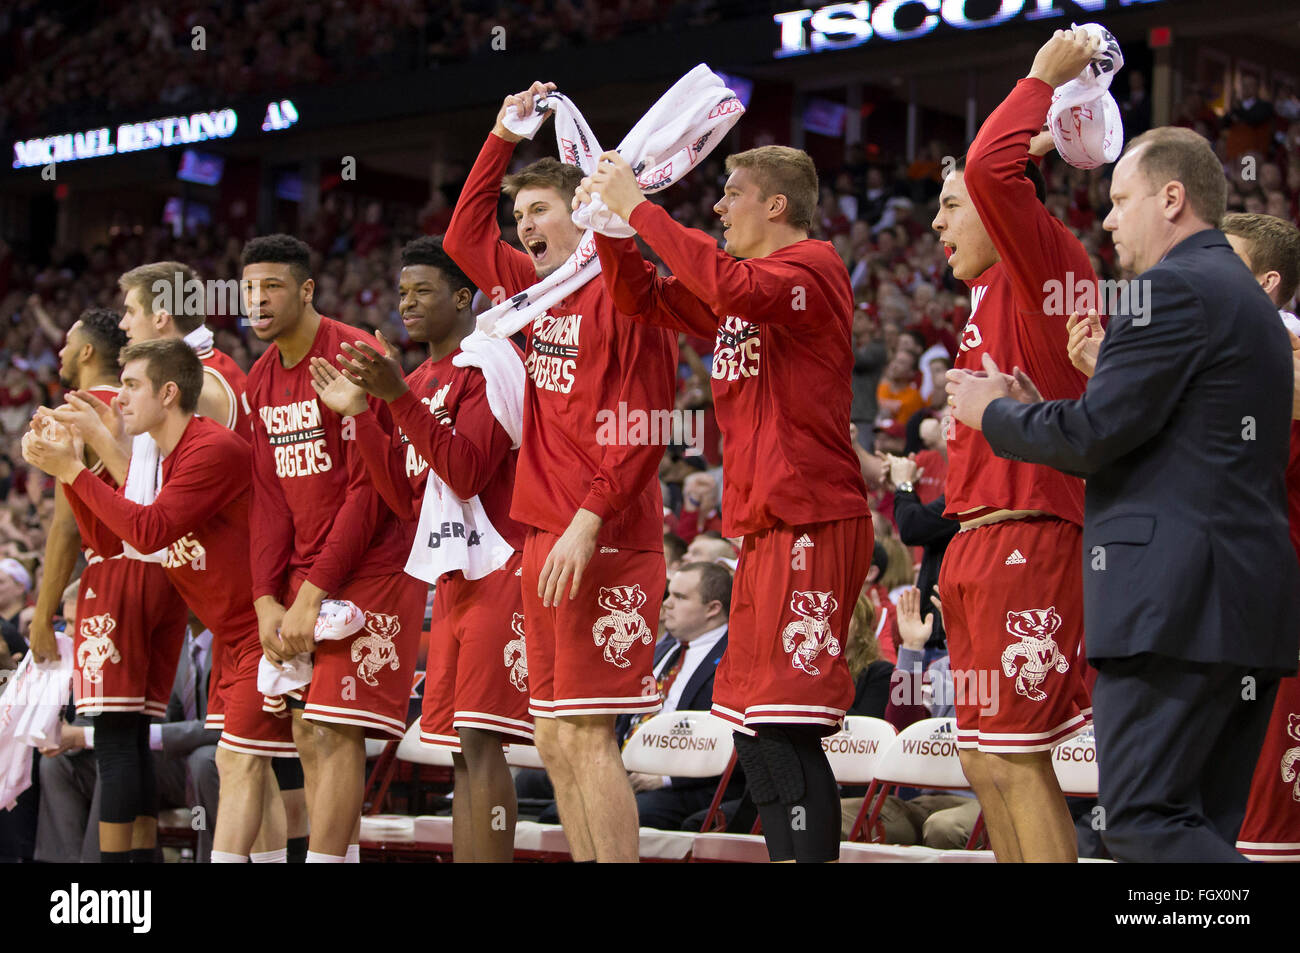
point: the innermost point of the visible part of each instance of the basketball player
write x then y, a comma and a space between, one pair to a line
476, 690
780, 307
320, 530
200, 516
593, 566
1013, 571
130, 621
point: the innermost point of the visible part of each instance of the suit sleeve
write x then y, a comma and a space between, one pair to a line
198, 488
639, 292
648, 362
1026, 235
1142, 371
385, 464
473, 237
270, 528
354, 526
761, 289
922, 524
464, 457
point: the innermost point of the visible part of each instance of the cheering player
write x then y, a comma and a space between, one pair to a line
319, 529
476, 690
1014, 568
200, 517
781, 308
593, 567
130, 622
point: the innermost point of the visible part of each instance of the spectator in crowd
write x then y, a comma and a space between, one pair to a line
674, 552
1249, 120
897, 395
710, 547
922, 524
701, 506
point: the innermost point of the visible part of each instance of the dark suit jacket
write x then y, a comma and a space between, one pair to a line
696, 696
1182, 436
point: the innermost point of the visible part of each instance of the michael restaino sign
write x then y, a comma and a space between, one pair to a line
842, 26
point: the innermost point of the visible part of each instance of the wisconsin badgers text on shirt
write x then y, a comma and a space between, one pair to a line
297, 436
735, 353
554, 354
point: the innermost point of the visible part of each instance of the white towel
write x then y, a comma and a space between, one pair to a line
31, 709
1291, 322
144, 475
338, 619
1084, 118
678, 132
455, 535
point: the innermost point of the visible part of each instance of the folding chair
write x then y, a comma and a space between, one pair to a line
854, 754
1075, 764
687, 744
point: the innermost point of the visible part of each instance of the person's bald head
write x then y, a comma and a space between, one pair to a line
707, 548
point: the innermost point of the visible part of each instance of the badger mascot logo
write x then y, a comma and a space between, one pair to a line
517, 654
1034, 628
811, 631
375, 650
1291, 759
624, 622
96, 647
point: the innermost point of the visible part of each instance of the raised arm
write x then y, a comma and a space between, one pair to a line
640, 293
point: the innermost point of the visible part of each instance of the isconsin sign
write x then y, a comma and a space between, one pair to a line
841, 26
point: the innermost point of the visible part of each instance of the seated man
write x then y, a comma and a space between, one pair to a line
699, 598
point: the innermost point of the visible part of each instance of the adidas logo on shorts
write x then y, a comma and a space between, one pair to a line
1016, 559
803, 542
90, 593
608, 549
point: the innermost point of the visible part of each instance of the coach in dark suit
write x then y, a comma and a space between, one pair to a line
695, 615
1190, 588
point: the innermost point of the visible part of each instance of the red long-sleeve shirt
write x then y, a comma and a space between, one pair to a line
782, 363
1007, 312
315, 511
444, 424
582, 358
201, 515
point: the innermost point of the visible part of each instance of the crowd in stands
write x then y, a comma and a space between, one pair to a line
909, 314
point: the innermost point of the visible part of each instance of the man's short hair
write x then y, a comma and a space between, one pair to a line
1272, 244
545, 173
782, 170
176, 277
169, 359
1174, 154
279, 250
428, 250
1032, 173
715, 583
674, 547
100, 326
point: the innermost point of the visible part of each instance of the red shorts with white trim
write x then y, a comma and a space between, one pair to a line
477, 673
130, 627
1012, 597
594, 654
1271, 830
791, 603
235, 704
366, 679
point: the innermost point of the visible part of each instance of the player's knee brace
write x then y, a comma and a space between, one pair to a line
148, 774
762, 790
117, 755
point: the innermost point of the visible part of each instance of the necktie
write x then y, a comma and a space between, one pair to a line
189, 700
667, 675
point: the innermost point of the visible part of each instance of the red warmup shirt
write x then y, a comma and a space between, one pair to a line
201, 517
782, 363
1007, 319
589, 370
232, 377
443, 422
315, 511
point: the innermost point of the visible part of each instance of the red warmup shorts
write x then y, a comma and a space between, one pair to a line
130, 628
1012, 596
235, 704
594, 654
791, 603
1271, 830
478, 669
366, 679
